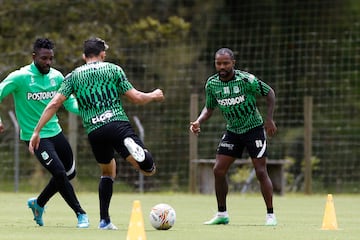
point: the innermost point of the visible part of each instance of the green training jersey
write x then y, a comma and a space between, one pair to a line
98, 87
236, 100
32, 91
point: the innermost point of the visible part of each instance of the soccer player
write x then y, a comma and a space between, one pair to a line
32, 87
234, 92
98, 87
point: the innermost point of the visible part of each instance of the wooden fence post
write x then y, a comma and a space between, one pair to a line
308, 109
193, 144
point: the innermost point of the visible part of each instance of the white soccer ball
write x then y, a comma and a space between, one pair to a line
162, 216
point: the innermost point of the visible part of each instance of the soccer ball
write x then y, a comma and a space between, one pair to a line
162, 216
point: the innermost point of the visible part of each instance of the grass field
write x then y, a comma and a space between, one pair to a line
299, 217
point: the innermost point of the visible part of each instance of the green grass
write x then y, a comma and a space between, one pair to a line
299, 217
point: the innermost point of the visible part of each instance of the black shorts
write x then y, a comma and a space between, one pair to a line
56, 155
254, 141
110, 137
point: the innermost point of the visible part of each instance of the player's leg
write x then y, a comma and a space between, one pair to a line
147, 167
266, 186
132, 148
108, 174
224, 158
65, 154
101, 145
49, 158
37, 204
220, 170
256, 146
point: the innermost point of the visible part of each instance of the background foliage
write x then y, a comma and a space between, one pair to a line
301, 48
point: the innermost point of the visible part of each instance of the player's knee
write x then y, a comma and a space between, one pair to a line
60, 177
261, 173
219, 172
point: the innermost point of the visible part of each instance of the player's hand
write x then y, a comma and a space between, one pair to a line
195, 127
270, 127
158, 95
34, 142
2, 127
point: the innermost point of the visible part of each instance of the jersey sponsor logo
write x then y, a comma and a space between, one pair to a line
231, 101
103, 117
227, 145
40, 95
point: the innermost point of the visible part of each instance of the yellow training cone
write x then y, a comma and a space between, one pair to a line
329, 220
136, 230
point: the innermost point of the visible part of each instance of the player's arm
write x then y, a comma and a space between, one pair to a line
47, 114
204, 115
138, 97
71, 105
206, 112
7, 86
269, 124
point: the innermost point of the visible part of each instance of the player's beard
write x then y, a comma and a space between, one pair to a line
224, 74
43, 69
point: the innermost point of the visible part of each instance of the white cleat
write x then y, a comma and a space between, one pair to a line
134, 149
103, 225
270, 219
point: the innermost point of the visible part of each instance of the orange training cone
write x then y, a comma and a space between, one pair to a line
136, 230
329, 220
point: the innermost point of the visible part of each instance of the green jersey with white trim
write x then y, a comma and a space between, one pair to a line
98, 87
236, 100
32, 91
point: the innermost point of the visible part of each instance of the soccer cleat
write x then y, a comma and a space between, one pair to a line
37, 211
103, 225
83, 221
216, 220
270, 219
134, 149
